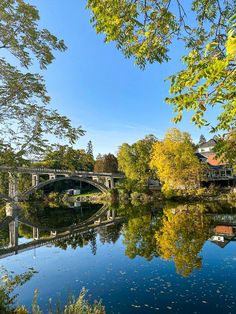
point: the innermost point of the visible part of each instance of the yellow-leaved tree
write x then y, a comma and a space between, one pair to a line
175, 161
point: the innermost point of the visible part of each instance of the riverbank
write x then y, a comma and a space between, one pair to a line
192, 195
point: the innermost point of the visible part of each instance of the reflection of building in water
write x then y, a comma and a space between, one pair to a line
223, 234
73, 192
74, 205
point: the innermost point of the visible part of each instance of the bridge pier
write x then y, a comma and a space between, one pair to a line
111, 214
13, 186
35, 179
36, 235
52, 176
13, 233
12, 209
53, 233
109, 183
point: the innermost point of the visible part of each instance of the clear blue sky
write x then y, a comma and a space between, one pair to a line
96, 87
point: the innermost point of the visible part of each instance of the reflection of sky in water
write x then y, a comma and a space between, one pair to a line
130, 285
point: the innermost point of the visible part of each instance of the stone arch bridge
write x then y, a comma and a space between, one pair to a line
102, 181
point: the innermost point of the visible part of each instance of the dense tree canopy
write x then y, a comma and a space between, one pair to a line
175, 161
65, 157
134, 159
25, 118
106, 163
226, 147
147, 30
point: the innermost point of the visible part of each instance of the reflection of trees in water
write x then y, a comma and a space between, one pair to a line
4, 236
179, 234
109, 234
58, 217
139, 236
106, 235
181, 237
139, 232
129, 210
74, 241
27, 232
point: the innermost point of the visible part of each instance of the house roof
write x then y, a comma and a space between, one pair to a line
214, 161
209, 143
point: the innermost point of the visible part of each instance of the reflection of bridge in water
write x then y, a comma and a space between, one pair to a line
102, 218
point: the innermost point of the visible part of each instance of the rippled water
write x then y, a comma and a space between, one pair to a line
137, 259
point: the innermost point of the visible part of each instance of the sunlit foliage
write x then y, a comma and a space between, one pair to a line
134, 159
66, 157
147, 30
175, 161
25, 118
182, 235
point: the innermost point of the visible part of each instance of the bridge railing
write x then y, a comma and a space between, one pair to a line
61, 171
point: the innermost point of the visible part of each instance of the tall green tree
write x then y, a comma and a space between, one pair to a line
89, 149
26, 120
66, 157
202, 140
134, 159
148, 30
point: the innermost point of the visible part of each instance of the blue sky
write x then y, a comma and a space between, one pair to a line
96, 87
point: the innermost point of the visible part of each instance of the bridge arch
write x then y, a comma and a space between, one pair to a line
33, 189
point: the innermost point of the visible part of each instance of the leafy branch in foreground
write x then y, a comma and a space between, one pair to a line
148, 30
207, 81
26, 121
8, 284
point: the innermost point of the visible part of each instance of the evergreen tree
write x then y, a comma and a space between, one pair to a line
90, 149
202, 140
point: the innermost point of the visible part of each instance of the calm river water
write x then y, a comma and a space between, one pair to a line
168, 258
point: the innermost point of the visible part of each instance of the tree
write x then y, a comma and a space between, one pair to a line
175, 161
66, 157
98, 166
134, 159
146, 30
226, 148
182, 235
25, 118
106, 163
90, 149
208, 81
202, 140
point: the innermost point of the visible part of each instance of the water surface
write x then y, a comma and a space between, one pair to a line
143, 259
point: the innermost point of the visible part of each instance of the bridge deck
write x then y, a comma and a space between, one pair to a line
61, 172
